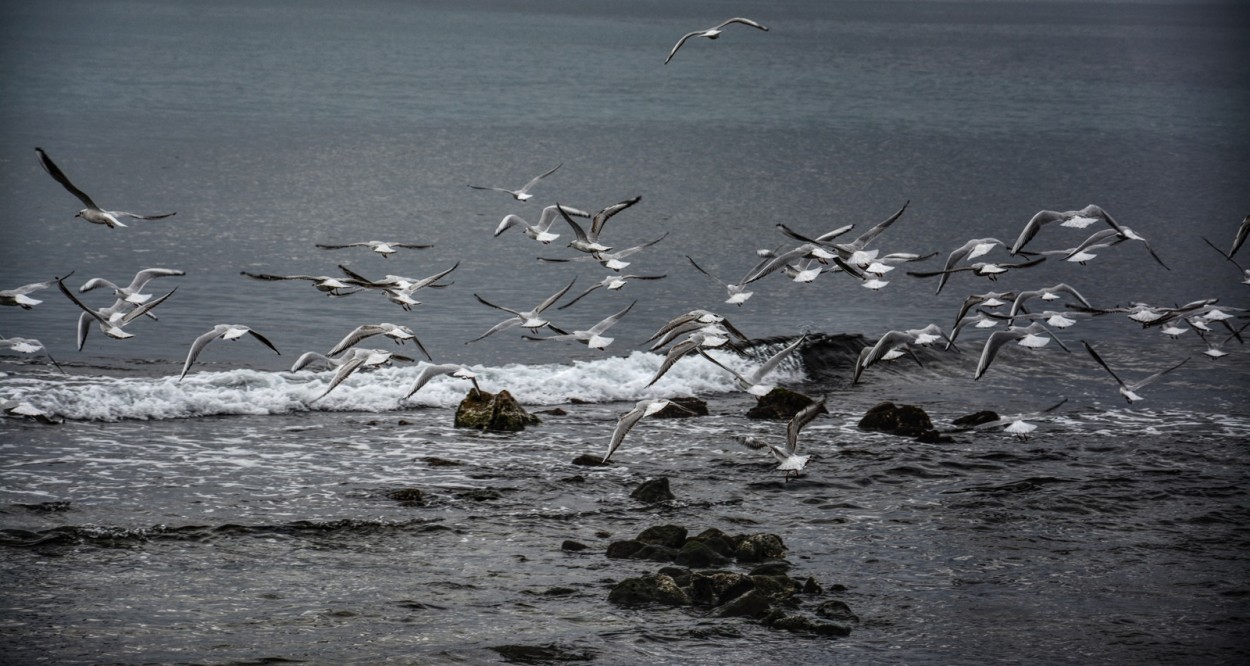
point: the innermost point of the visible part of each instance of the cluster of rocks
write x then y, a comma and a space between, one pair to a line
697, 577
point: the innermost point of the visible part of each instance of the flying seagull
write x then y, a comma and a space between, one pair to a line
1032, 336
132, 292
626, 422
450, 369
17, 295
540, 232
530, 319
351, 361
788, 456
754, 383
592, 337
28, 346
1129, 389
224, 332
712, 33
92, 212
397, 332
386, 249
523, 193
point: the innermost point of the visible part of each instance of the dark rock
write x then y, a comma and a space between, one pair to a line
541, 654
573, 546
836, 610
698, 554
49, 507
403, 422
589, 460
672, 536
407, 496
971, 420
554, 411
810, 586
717, 587
779, 404
933, 437
479, 494
904, 420
576, 478
802, 625
778, 588
760, 547
648, 589
655, 552
653, 490
752, 603
495, 412
623, 549
433, 461
683, 408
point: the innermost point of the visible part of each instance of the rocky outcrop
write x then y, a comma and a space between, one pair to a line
779, 404
495, 412
652, 491
902, 420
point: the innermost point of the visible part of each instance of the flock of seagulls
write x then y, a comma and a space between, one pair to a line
699, 331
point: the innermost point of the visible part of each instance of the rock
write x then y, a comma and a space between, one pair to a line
589, 460
407, 496
655, 552
692, 407
836, 610
623, 549
479, 494
554, 411
653, 490
904, 420
495, 412
541, 654
673, 536
648, 589
698, 554
752, 603
971, 420
717, 587
717, 540
934, 437
779, 404
433, 461
802, 625
573, 546
778, 588
760, 547
810, 586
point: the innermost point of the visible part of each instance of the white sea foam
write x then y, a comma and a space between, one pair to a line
250, 392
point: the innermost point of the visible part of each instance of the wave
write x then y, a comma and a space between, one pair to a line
252, 392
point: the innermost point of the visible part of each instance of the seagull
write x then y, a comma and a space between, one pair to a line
693, 320
1046, 294
530, 319
523, 193
854, 252
588, 241
916, 336
17, 296
351, 361
1245, 273
1073, 218
738, 293
386, 249
754, 383
399, 289
610, 260
540, 232
990, 299
1107, 237
891, 354
712, 33
1129, 389
131, 293
981, 319
710, 335
400, 334
611, 283
626, 422
593, 337
331, 286
1031, 336
224, 332
111, 319
1242, 232
26, 410
429, 372
28, 346
92, 212
1016, 425
969, 250
788, 457
983, 269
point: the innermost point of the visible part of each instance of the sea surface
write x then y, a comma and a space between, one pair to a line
232, 518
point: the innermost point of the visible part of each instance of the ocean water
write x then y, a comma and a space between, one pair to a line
226, 518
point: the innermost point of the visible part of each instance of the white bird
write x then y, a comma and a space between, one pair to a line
983, 269
1108, 237
854, 252
969, 250
691, 321
17, 296
611, 283
891, 340
754, 383
400, 334
609, 260
626, 422
1032, 336
111, 319
707, 336
1129, 389
891, 354
592, 337
588, 240
1245, 272
738, 293
92, 212
1018, 424
788, 456
132, 292
523, 193
712, 33
1072, 218
981, 319
331, 286
386, 249
540, 232
224, 332
531, 319
351, 361
431, 371
399, 289
1047, 294
990, 299
24, 409
28, 346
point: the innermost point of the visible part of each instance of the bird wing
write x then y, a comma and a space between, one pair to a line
608, 322
554, 297
743, 21
577, 229
623, 425
263, 340
700, 269
59, 176
1103, 363
535, 180
680, 42
196, 346
601, 218
802, 418
1153, 378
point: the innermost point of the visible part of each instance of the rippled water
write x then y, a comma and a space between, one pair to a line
226, 519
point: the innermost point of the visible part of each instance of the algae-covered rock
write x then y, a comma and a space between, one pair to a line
759, 547
498, 412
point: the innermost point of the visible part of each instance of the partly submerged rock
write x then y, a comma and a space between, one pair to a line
493, 411
650, 588
976, 419
682, 408
760, 547
653, 490
904, 420
779, 404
